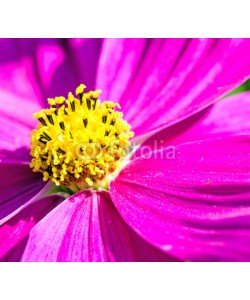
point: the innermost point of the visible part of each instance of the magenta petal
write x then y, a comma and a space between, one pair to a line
86, 227
226, 117
16, 121
131, 247
118, 63
18, 184
168, 80
65, 63
194, 207
57, 67
39, 68
18, 69
85, 56
14, 233
15, 254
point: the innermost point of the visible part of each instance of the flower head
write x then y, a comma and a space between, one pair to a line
177, 190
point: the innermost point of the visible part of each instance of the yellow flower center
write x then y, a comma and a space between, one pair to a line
80, 141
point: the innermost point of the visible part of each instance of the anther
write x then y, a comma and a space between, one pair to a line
42, 141
50, 118
104, 119
85, 122
46, 136
88, 101
62, 125
42, 121
61, 151
94, 105
72, 104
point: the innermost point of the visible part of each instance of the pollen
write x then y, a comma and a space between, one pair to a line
80, 142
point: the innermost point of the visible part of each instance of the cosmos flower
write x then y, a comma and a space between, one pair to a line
178, 190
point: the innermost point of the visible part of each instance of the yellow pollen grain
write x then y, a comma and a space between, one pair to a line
80, 141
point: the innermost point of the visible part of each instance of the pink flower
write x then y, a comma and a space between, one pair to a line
185, 193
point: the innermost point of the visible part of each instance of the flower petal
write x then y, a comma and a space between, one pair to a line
229, 116
171, 79
16, 121
18, 73
85, 54
86, 227
18, 184
65, 63
118, 63
14, 233
39, 68
132, 247
195, 205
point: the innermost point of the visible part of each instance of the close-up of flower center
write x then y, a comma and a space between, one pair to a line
80, 142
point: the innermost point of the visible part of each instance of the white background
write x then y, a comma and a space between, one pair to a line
128, 281
115, 18
133, 18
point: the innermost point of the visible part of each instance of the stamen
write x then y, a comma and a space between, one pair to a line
50, 118
72, 104
104, 119
42, 141
62, 125
88, 103
94, 105
61, 151
42, 121
85, 122
86, 144
46, 136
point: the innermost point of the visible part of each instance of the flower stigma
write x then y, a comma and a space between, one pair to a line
80, 142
